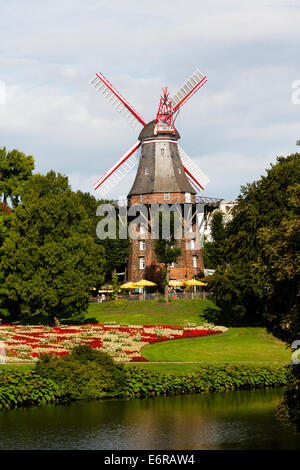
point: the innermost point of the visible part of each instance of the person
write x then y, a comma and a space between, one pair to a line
102, 298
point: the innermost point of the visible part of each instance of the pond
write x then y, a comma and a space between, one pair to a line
229, 420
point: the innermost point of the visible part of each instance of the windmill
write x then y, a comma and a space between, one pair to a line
157, 130
165, 174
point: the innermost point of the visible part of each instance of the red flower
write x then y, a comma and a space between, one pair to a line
138, 359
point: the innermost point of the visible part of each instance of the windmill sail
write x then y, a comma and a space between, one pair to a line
117, 100
193, 84
195, 175
118, 171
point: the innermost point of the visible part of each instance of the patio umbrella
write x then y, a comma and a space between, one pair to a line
128, 285
144, 283
194, 282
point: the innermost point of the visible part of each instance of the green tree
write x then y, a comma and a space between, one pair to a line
166, 248
115, 287
50, 260
116, 250
279, 264
4, 225
213, 251
15, 169
167, 252
259, 280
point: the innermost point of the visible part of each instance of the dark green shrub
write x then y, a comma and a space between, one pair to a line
142, 382
84, 353
84, 374
18, 388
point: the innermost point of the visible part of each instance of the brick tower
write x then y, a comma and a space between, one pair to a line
161, 179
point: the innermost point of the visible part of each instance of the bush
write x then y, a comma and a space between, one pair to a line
19, 388
144, 383
84, 374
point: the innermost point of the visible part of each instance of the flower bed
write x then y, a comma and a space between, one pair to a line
26, 343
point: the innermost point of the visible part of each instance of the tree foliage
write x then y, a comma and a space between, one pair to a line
15, 169
167, 252
116, 250
259, 278
213, 250
50, 260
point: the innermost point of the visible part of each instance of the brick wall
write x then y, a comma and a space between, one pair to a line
159, 198
182, 270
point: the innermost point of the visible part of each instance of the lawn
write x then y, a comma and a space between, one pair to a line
251, 346
237, 345
149, 312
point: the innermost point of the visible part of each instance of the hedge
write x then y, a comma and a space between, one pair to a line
19, 388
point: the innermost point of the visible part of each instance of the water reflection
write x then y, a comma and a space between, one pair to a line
230, 420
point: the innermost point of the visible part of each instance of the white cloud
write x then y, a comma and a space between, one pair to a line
237, 123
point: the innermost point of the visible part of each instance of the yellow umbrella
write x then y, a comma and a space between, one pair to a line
174, 283
194, 282
144, 283
128, 285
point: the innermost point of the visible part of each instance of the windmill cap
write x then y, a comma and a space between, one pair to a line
148, 133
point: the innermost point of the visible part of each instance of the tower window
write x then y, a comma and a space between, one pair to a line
142, 262
162, 151
142, 245
194, 261
192, 244
167, 196
187, 197
146, 171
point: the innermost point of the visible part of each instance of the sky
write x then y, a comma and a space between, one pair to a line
246, 114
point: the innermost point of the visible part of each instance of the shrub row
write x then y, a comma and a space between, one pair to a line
78, 382
141, 382
19, 388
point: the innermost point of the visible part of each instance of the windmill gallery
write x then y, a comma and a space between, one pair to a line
166, 178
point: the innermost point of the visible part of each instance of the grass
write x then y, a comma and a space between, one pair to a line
236, 346
249, 346
149, 312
